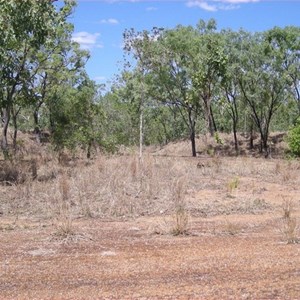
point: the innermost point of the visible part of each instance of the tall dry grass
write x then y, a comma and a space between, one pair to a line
123, 186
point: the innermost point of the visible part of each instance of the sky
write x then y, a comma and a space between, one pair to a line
99, 24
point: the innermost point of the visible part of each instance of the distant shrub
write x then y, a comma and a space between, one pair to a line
293, 139
17, 171
218, 139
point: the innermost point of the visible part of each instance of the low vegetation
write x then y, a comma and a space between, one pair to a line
198, 209
164, 212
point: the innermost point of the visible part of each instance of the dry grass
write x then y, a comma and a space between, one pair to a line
233, 184
120, 186
124, 187
289, 224
180, 224
109, 205
231, 228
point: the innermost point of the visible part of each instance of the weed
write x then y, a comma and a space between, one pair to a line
290, 229
134, 168
233, 184
211, 152
178, 191
64, 226
287, 208
181, 217
63, 221
64, 187
278, 168
289, 226
217, 163
231, 228
218, 139
181, 221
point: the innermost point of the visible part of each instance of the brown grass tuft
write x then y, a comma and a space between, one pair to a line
289, 225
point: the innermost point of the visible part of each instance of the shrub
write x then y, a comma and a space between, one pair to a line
181, 221
293, 138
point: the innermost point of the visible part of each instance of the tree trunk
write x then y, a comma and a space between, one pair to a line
14, 118
6, 118
236, 144
208, 115
264, 144
37, 131
210, 122
193, 141
213, 120
15, 112
192, 125
89, 148
141, 135
251, 144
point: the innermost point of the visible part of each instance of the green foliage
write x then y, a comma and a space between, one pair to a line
218, 139
293, 139
183, 81
78, 118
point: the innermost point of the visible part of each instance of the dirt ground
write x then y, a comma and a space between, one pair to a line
123, 260
235, 246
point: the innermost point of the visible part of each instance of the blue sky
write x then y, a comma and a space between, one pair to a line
99, 24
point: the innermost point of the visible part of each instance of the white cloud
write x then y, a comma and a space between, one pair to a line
202, 4
228, 7
109, 21
215, 5
237, 1
151, 8
87, 40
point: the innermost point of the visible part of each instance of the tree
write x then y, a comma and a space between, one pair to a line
261, 83
209, 67
285, 43
293, 138
230, 94
165, 57
27, 26
121, 106
77, 117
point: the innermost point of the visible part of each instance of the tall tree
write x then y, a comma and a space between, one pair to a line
27, 26
166, 55
209, 67
230, 94
285, 43
261, 83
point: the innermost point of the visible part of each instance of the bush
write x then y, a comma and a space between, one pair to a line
293, 139
17, 171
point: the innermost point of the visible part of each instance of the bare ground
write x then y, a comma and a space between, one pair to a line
121, 260
119, 246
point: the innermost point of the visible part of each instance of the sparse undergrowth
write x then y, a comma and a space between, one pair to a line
122, 186
63, 229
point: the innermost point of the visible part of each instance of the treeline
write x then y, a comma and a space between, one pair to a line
188, 80
176, 83
43, 82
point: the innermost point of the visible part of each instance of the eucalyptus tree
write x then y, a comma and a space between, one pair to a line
166, 58
209, 67
261, 82
123, 105
78, 117
230, 96
138, 44
64, 67
123, 108
285, 43
26, 27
